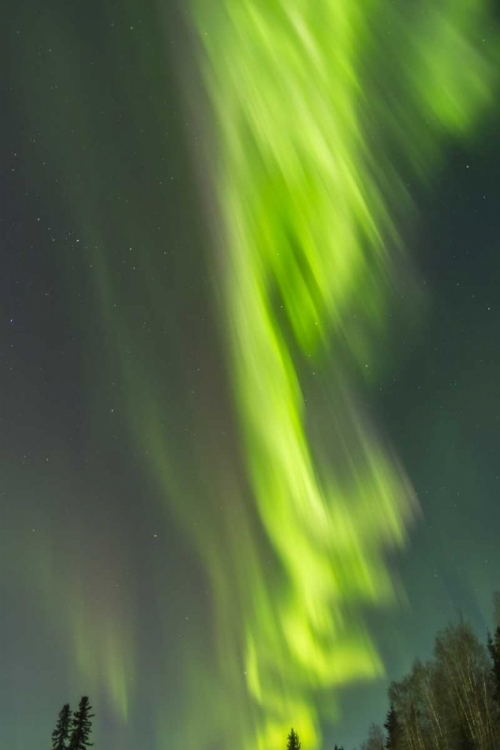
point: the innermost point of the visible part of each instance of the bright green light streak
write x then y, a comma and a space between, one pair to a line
317, 105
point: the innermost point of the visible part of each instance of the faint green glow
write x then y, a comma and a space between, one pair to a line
319, 106
93, 617
99, 648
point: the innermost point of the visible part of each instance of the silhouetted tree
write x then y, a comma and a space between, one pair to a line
338, 747
406, 697
293, 742
494, 649
393, 729
451, 702
60, 735
82, 726
464, 669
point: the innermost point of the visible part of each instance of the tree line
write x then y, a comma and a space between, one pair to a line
451, 702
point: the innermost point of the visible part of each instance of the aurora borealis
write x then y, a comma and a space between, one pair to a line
249, 306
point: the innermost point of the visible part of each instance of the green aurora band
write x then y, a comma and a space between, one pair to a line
311, 123
320, 110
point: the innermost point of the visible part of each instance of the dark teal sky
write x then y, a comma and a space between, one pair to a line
97, 147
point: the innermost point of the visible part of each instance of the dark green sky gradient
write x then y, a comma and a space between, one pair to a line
94, 131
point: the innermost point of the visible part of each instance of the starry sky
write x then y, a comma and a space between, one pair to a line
130, 542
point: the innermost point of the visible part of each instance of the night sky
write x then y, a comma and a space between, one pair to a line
130, 543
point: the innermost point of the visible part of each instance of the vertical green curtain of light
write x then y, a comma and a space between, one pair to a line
318, 105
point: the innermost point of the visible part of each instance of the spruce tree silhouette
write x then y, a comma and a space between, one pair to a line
60, 735
293, 742
82, 726
391, 724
